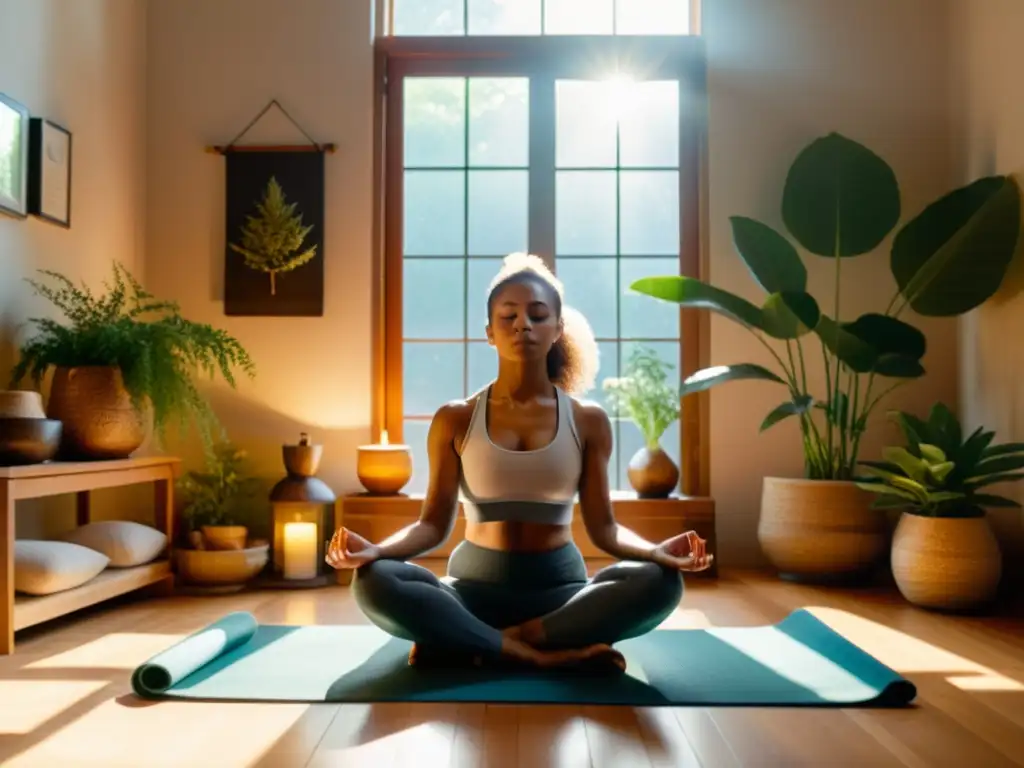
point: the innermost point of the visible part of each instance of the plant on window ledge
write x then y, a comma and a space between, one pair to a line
272, 241
645, 396
118, 355
840, 201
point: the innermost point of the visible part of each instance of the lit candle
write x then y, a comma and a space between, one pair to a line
300, 551
384, 468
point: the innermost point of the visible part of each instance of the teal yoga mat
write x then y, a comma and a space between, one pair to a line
797, 662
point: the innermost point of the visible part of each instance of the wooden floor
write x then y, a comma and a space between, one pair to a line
65, 698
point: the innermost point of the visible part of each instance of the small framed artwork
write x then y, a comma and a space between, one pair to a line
14, 120
49, 171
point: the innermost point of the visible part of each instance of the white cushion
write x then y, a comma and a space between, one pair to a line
45, 567
126, 544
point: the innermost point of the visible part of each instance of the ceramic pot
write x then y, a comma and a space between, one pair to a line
28, 441
946, 563
100, 421
18, 404
652, 473
303, 459
224, 537
820, 530
221, 568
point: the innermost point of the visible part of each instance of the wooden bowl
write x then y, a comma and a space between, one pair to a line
28, 441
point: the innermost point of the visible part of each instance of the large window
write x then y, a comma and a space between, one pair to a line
577, 143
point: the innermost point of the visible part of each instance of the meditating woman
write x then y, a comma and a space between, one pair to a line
516, 454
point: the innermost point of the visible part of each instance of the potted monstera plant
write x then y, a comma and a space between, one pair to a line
646, 397
841, 201
944, 554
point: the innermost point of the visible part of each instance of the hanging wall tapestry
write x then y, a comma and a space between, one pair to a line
274, 251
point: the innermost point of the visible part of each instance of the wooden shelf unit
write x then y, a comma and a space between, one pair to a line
377, 517
53, 479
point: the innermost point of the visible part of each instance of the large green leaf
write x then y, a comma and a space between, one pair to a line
789, 315
720, 374
857, 354
840, 198
954, 254
945, 429
789, 408
770, 257
888, 335
991, 500
693, 293
898, 367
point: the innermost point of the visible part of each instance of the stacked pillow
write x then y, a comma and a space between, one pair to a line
46, 567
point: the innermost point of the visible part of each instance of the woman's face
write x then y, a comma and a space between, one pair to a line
524, 324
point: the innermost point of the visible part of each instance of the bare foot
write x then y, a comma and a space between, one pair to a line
590, 657
530, 632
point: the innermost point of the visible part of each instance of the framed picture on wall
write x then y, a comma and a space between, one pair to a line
14, 122
49, 171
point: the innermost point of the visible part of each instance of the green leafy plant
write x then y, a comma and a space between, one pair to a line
157, 350
939, 473
223, 493
272, 241
645, 395
841, 200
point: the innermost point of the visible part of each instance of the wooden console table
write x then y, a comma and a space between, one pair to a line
377, 517
55, 478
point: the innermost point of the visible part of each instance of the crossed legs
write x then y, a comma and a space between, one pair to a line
621, 601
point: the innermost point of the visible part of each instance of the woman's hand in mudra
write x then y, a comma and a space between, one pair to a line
349, 550
687, 552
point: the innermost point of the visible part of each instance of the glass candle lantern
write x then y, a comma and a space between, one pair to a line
303, 517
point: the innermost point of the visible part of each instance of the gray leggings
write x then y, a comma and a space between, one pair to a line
487, 590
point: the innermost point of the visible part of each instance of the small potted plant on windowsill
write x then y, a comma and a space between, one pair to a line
645, 396
944, 554
218, 504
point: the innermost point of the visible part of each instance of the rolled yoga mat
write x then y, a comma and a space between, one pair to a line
798, 662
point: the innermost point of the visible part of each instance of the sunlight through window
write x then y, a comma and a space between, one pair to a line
26, 704
791, 659
172, 734
907, 654
122, 650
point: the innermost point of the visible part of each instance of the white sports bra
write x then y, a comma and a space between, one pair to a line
501, 485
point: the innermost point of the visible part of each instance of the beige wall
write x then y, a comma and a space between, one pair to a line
990, 138
81, 64
211, 67
782, 73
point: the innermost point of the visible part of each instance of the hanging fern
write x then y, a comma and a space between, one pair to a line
158, 351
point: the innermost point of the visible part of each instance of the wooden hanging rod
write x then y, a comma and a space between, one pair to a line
223, 150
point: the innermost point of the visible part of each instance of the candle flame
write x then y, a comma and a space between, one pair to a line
384, 437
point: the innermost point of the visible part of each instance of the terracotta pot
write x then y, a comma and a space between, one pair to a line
100, 421
652, 473
820, 530
945, 562
225, 537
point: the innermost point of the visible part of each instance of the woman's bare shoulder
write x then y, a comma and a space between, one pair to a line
453, 418
589, 415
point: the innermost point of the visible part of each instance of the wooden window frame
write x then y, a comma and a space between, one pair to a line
678, 57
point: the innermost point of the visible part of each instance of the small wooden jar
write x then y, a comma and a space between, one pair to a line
384, 469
